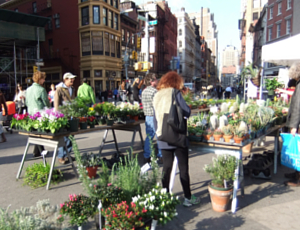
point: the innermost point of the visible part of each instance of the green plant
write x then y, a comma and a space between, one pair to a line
76, 108
90, 160
124, 216
188, 98
222, 170
108, 109
273, 84
43, 216
227, 130
98, 108
36, 175
218, 132
79, 208
161, 205
249, 72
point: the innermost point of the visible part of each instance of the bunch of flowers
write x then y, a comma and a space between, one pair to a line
123, 216
91, 120
160, 204
79, 208
135, 109
19, 121
98, 108
91, 112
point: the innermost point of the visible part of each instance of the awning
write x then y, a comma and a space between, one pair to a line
284, 52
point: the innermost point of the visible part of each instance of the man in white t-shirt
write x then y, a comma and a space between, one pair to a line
228, 91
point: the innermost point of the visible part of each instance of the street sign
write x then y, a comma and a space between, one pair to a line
39, 63
142, 18
151, 23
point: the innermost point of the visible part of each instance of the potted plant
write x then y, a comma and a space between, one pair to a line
239, 134
191, 131
228, 134
83, 122
217, 134
91, 121
108, 111
79, 208
91, 163
251, 73
271, 85
222, 172
207, 134
161, 205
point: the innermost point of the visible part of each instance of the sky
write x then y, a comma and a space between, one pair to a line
226, 12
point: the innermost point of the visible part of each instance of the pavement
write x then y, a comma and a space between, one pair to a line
266, 205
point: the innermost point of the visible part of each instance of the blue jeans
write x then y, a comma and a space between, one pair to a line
150, 132
61, 151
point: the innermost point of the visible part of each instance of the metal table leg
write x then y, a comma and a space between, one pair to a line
52, 167
236, 183
23, 159
103, 141
141, 136
276, 140
115, 140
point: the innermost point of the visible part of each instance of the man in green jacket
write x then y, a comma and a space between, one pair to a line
86, 92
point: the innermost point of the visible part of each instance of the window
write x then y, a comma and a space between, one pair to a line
128, 36
278, 30
271, 13
256, 3
112, 46
84, 0
34, 9
279, 7
180, 43
180, 32
289, 4
116, 22
288, 26
180, 20
116, 4
97, 42
85, 44
255, 16
84, 16
96, 15
86, 73
98, 73
57, 20
270, 34
118, 47
49, 24
106, 43
112, 2
123, 35
133, 40
110, 19
104, 16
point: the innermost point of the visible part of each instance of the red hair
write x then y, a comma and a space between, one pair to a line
170, 80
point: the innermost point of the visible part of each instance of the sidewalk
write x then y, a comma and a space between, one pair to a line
266, 204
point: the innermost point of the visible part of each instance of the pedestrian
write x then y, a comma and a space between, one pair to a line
116, 93
219, 90
161, 103
147, 100
129, 92
64, 93
51, 94
37, 99
122, 91
2, 105
136, 89
228, 91
293, 119
19, 99
86, 93
104, 95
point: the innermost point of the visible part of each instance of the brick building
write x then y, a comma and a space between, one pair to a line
82, 37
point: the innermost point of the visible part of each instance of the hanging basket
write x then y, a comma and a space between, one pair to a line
256, 80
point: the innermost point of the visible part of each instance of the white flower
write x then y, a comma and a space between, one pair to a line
175, 214
152, 198
163, 203
150, 193
165, 214
157, 208
134, 199
177, 197
163, 191
151, 207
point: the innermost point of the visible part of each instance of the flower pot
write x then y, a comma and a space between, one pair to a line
97, 221
102, 121
207, 136
136, 118
92, 171
92, 126
83, 125
109, 122
227, 138
220, 198
247, 148
73, 125
238, 140
217, 137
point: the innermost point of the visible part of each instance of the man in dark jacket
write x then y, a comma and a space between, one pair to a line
219, 89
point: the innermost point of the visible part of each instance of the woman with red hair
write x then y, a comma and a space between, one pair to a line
161, 103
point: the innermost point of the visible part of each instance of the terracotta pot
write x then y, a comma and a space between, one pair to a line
207, 136
92, 171
227, 138
238, 140
247, 148
220, 198
136, 118
217, 136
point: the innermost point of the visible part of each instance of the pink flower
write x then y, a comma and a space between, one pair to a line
61, 205
109, 184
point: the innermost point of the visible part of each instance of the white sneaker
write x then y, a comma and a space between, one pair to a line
189, 202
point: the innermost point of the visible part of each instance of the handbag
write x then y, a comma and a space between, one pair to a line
290, 156
175, 118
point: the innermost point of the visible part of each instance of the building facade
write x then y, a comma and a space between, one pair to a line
186, 46
230, 56
82, 37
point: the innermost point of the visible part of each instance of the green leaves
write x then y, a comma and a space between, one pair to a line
273, 84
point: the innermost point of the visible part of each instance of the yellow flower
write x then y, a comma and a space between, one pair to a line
275, 98
91, 109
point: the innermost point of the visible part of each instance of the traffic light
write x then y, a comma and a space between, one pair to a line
35, 68
138, 45
134, 55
